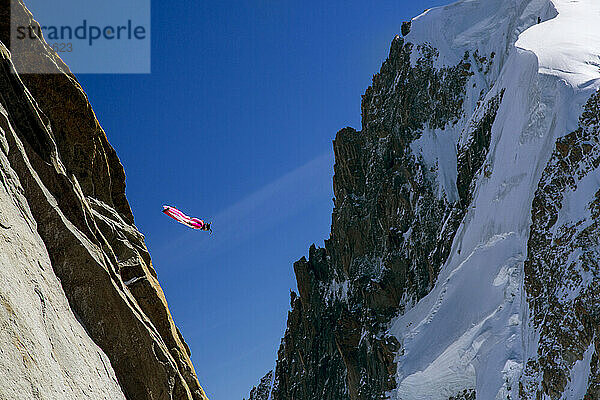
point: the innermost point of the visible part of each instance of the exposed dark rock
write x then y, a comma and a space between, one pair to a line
473, 154
465, 395
405, 30
263, 390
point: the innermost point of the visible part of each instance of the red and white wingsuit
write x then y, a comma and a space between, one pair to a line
178, 216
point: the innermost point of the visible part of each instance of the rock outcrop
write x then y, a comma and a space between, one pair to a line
263, 390
69, 234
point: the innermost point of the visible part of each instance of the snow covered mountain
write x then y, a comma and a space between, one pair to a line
464, 255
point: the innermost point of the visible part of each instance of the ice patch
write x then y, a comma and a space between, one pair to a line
446, 376
578, 378
437, 149
510, 375
337, 290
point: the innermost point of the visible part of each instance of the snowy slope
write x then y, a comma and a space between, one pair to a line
471, 331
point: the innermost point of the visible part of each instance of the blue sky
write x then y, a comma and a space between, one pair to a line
234, 125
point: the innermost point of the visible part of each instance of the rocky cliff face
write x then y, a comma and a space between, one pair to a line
386, 245
82, 314
462, 261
